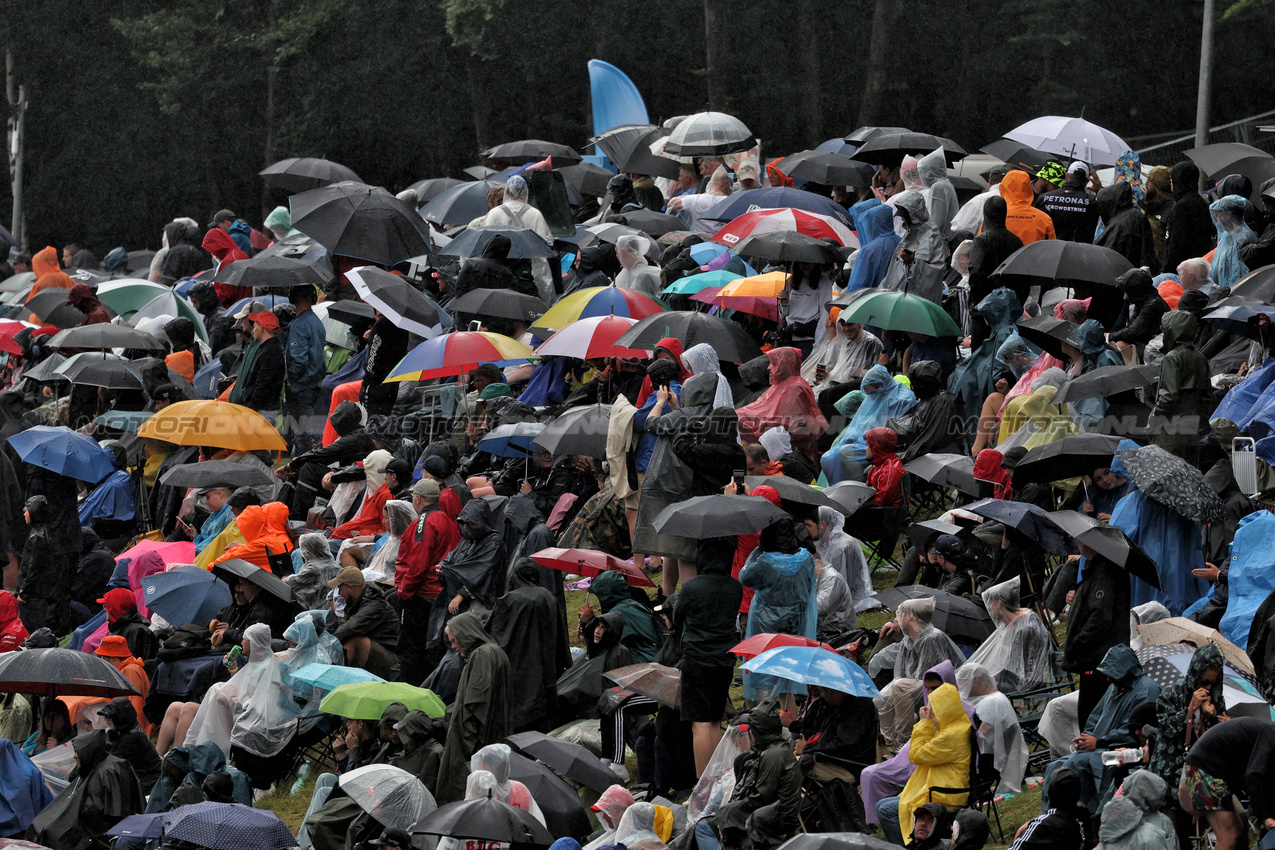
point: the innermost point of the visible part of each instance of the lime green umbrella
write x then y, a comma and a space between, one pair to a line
899, 311
126, 297
698, 282
367, 700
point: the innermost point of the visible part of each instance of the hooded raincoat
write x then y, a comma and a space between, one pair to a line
885, 399
1177, 726
473, 569
844, 554
939, 194
1019, 654
1133, 821
482, 711
23, 794
789, 402
927, 427
1123, 228
923, 276
885, 475
784, 602
940, 749
999, 733
318, 567
877, 244
104, 791
975, 377
527, 624
1022, 219
1232, 235
1183, 397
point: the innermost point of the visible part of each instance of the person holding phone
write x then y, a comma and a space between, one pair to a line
665, 376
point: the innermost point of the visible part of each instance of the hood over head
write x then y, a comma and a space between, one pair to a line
995, 211
785, 363
875, 223
1113, 200
477, 519
699, 391
933, 167
754, 373
91, 748
1234, 184
45, 261
945, 703
715, 556
497, 247
121, 712
913, 203
347, 418
1121, 665
1179, 328
611, 589
468, 629
926, 378
765, 725
1136, 283
883, 442
1016, 189
1186, 178
1001, 307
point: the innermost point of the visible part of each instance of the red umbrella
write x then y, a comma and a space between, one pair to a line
591, 563
757, 644
8, 330
592, 338
787, 218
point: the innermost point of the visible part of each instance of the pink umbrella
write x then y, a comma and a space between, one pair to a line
171, 553
592, 338
770, 221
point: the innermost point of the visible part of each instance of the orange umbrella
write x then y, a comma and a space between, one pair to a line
759, 286
218, 424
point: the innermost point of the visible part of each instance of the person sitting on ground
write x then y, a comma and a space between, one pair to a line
764, 806
640, 634
366, 624
129, 742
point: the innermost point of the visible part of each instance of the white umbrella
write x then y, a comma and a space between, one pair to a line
1074, 138
390, 794
709, 134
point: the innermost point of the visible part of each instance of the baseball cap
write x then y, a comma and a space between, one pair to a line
266, 319
393, 837
426, 488
948, 545
248, 309
1078, 167
399, 467
222, 216
437, 466
348, 575
167, 393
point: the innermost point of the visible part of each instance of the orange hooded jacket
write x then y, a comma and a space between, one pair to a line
262, 526
48, 272
1024, 221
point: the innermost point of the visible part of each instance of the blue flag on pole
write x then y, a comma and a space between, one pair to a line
616, 100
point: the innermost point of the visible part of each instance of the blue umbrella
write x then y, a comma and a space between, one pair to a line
140, 826
207, 378
61, 450
124, 420
228, 826
813, 665
1028, 519
186, 595
516, 440
271, 301
328, 676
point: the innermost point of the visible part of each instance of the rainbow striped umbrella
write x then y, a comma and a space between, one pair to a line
589, 339
598, 301
455, 354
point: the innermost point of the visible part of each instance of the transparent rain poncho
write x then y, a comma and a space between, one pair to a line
1018, 653
998, 730
844, 554
611, 807
1232, 234
701, 359
318, 567
399, 517
637, 824
494, 760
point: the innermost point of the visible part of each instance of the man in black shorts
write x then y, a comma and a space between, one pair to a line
1216, 768
705, 617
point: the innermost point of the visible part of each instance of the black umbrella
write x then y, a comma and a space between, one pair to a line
719, 515
919, 532
629, 147
524, 243
1030, 520
140, 261
1217, 161
649, 222
787, 246
1258, 285
945, 470
360, 221
428, 190
301, 174
484, 819
1107, 381
62, 672
45, 369
499, 304
1112, 543
264, 272
728, 339
558, 801
63, 316
836, 841
405, 305
792, 490
459, 204
830, 169
862, 134
43, 302
1079, 454
351, 312
1174, 483
1048, 333
109, 373
104, 335
890, 146
237, 568
571, 760
578, 431
217, 473
850, 495
1016, 154
959, 617
526, 151
588, 179
1063, 263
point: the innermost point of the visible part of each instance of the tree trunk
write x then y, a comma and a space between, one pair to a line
711, 34
477, 98
809, 67
272, 77
871, 109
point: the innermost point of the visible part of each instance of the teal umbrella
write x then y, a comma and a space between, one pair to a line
127, 421
126, 297
699, 282
328, 676
899, 311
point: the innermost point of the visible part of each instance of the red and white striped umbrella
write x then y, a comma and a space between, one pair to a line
787, 218
592, 338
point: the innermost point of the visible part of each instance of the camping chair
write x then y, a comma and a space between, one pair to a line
831, 804
981, 788
879, 531
926, 500
1030, 707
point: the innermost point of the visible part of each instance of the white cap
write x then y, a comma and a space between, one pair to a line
1078, 167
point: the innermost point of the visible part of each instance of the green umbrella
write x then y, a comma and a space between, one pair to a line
699, 282
899, 311
367, 700
126, 297
169, 303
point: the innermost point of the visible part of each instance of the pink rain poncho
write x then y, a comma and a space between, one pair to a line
788, 402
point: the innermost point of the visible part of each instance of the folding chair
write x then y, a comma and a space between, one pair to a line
981, 789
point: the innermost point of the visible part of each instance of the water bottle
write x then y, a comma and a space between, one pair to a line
303, 776
1115, 758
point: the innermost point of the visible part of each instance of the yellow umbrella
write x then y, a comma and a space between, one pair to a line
218, 424
759, 286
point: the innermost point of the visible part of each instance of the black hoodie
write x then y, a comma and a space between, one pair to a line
1071, 206
128, 742
991, 247
707, 604
1189, 231
1126, 230
1262, 252
1140, 320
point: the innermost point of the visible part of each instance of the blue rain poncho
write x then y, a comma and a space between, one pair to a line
115, 498
1232, 234
885, 399
783, 602
1249, 396
877, 242
1172, 541
213, 526
23, 794
975, 376
1249, 579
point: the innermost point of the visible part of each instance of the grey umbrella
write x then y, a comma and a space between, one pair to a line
719, 515
792, 490
302, 173
945, 470
61, 672
578, 431
709, 134
217, 473
104, 335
